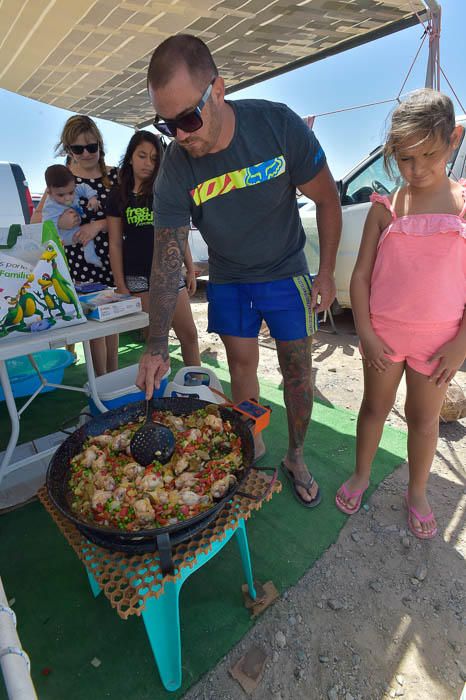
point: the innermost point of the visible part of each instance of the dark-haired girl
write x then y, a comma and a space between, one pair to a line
131, 234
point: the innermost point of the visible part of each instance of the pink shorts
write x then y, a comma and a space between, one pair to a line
414, 346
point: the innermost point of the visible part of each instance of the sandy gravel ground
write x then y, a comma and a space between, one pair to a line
381, 614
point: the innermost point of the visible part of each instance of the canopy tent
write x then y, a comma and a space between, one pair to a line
91, 56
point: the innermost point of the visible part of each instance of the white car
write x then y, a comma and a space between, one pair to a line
15, 199
199, 251
355, 189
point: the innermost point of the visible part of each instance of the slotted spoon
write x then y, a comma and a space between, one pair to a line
153, 441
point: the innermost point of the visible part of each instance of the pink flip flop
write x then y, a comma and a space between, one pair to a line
421, 534
358, 494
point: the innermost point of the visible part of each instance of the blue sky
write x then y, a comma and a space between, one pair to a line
29, 130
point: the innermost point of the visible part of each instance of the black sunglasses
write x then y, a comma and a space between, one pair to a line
79, 150
192, 121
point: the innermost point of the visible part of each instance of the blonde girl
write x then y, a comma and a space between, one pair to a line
408, 294
82, 142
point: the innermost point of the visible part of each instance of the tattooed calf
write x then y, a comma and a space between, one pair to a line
296, 365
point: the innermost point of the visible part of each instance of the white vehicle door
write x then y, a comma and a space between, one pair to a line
198, 246
356, 190
12, 186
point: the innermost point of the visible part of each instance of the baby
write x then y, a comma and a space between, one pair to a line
63, 193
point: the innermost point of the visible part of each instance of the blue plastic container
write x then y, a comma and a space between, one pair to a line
23, 377
119, 388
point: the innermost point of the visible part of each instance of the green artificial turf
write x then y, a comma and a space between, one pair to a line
62, 626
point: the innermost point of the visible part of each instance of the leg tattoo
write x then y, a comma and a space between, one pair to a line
296, 363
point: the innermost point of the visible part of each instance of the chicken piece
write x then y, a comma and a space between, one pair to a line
100, 462
214, 422
194, 434
173, 497
132, 470
195, 463
158, 496
88, 457
143, 510
131, 495
180, 465
186, 480
168, 476
101, 440
174, 422
104, 481
149, 482
119, 493
189, 498
121, 442
100, 497
219, 488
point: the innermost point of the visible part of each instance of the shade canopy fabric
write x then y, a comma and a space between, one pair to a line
91, 56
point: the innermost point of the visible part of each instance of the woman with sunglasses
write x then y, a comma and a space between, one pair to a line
131, 238
81, 142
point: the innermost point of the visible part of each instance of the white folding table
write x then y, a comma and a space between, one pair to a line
45, 340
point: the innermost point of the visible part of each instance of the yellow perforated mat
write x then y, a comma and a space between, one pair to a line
128, 581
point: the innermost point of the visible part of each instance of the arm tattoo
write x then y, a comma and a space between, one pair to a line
169, 250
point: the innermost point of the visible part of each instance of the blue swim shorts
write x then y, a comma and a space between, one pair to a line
285, 305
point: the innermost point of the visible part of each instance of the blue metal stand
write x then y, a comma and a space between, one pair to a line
161, 614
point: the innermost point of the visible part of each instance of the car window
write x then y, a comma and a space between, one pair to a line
373, 178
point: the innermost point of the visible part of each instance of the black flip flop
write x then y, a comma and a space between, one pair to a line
305, 485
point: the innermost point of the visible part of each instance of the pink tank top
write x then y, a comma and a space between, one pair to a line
419, 275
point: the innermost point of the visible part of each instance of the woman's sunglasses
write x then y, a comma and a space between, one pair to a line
79, 150
192, 121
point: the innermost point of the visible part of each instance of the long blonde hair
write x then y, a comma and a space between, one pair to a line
74, 127
424, 113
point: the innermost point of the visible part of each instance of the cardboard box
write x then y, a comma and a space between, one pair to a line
107, 304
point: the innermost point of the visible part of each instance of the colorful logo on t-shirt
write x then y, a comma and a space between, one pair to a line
139, 216
237, 179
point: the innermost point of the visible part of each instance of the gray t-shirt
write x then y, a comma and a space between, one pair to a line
243, 199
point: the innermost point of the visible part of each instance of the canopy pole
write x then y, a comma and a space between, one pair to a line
433, 29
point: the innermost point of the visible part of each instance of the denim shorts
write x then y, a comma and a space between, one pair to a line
285, 305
